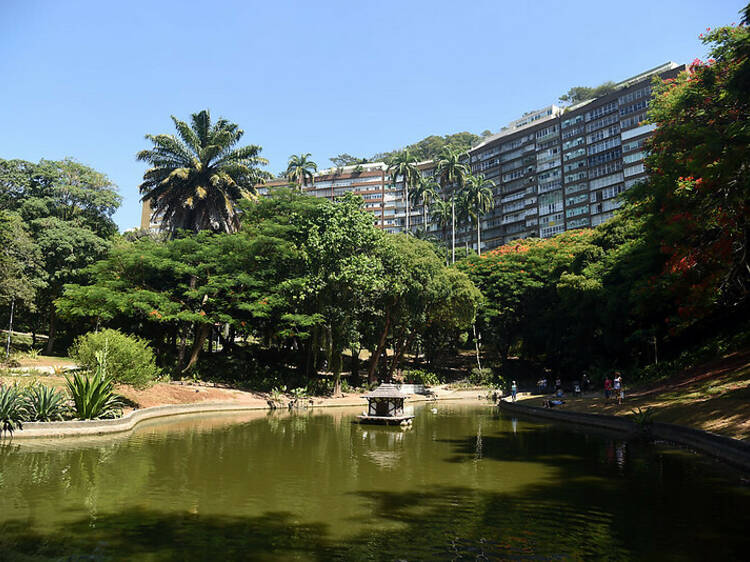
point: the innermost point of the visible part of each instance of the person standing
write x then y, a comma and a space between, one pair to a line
558, 384
607, 388
619, 391
513, 390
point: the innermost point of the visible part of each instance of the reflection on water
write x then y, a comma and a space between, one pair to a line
463, 483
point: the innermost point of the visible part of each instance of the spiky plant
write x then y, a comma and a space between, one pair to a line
45, 404
451, 171
198, 176
93, 395
12, 409
405, 165
300, 170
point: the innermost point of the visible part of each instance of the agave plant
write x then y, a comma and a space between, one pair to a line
93, 395
44, 403
12, 409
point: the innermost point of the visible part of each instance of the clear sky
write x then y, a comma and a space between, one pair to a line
88, 79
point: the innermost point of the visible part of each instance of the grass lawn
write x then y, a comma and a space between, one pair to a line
714, 397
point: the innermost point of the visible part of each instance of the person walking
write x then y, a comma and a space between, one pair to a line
513, 390
618, 388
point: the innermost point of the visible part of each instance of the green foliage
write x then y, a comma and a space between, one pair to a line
130, 360
300, 169
21, 272
643, 418
485, 377
197, 177
431, 147
44, 404
93, 394
12, 409
582, 93
347, 160
419, 376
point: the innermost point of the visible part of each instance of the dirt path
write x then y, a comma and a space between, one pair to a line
714, 397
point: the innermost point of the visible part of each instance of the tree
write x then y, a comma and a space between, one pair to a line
479, 201
442, 211
300, 169
450, 171
403, 164
198, 176
347, 160
424, 191
695, 202
578, 94
67, 208
431, 147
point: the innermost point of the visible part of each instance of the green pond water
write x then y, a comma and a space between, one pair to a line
465, 483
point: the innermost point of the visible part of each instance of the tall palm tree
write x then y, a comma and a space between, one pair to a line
442, 211
198, 176
450, 171
479, 200
405, 165
300, 169
425, 192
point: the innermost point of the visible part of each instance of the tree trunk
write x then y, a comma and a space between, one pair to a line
52, 330
201, 333
479, 241
476, 344
354, 376
406, 192
398, 357
181, 348
336, 360
371, 377
453, 229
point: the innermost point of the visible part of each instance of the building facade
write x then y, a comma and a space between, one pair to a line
554, 169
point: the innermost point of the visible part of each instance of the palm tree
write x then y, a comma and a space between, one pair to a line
405, 165
198, 176
443, 212
451, 171
479, 200
425, 192
300, 169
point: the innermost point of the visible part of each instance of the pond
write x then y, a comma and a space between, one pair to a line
464, 483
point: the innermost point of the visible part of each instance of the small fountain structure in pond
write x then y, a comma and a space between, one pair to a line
386, 407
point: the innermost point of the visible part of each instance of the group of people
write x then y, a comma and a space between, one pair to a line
614, 388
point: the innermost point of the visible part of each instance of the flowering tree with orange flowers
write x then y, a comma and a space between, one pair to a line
697, 199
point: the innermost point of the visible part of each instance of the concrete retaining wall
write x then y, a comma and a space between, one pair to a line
731, 451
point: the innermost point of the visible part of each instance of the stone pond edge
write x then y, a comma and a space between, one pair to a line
726, 449
76, 428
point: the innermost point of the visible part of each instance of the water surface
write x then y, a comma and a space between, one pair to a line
463, 483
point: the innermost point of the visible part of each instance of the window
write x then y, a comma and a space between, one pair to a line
599, 219
642, 130
604, 145
575, 211
635, 95
548, 165
575, 188
604, 157
573, 154
573, 143
605, 181
575, 177
575, 166
608, 168
603, 110
574, 132
603, 133
633, 121
550, 202
633, 157
634, 145
511, 155
633, 170
603, 122
633, 107
576, 200
572, 121
548, 231
578, 223
551, 220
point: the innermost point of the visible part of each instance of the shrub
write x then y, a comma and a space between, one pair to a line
12, 409
44, 404
485, 377
418, 376
93, 397
129, 358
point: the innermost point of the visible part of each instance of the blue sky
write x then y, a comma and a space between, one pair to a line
89, 79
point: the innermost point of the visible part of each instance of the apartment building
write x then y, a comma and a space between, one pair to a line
558, 169
554, 169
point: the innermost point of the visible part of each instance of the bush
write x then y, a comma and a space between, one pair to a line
485, 377
129, 358
12, 409
44, 404
418, 376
